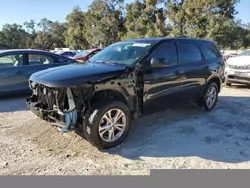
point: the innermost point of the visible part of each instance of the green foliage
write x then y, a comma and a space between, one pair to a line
50, 34
13, 36
75, 29
103, 25
108, 21
145, 19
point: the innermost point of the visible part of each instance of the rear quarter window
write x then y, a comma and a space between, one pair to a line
210, 51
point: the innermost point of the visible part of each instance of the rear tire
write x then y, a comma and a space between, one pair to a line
210, 96
102, 130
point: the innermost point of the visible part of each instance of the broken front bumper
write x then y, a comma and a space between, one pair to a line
38, 111
65, 123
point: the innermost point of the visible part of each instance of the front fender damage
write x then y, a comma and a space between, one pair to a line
64, 108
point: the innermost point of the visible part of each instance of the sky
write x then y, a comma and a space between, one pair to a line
19, 11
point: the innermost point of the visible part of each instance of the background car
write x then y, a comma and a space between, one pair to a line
16, 66
66, 54
238, 69
86, 54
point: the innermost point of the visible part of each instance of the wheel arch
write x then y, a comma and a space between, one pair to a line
118, 94
213, 78
216, 79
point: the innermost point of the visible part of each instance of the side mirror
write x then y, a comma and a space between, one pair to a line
157, 62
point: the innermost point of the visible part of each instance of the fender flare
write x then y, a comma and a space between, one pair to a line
209, 79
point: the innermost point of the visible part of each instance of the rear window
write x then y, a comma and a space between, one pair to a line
210, 51
38, 59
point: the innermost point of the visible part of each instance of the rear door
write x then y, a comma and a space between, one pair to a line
193, 68
214, 58
12, 76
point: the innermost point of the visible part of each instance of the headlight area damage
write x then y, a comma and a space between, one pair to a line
66, 108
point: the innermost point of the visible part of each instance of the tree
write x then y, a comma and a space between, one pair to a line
50, 34
57, 33
177, 16
145, 19
43, 38
108, 21
104, 23
13, 36
30, 26
209, 19
74, 34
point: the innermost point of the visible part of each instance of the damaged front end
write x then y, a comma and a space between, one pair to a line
59, 106
66, 107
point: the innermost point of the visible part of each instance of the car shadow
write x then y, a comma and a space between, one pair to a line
13, 103
184, 131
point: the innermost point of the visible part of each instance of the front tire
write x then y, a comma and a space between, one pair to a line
108, 124
210, 96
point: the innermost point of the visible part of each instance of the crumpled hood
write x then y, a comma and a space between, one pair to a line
76, 74
239, 60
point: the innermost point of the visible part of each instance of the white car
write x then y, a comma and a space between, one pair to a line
238, 69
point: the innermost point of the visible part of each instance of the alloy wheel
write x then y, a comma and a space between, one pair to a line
211, 97
112, 125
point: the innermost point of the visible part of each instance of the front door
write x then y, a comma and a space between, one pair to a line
160, 83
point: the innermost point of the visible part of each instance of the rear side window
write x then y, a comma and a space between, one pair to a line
210, 51
166, 52
37, 59
188, 53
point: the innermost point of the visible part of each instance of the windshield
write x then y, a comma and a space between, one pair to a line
125, 53
82, 53
247, 53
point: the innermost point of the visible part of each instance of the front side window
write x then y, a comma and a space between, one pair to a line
166, 53
11, 60
37, 59
125, 53
188, 53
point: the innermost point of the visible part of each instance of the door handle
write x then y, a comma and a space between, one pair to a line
206, 67
20, 72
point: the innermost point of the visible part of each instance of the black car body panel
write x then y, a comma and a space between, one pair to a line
76, 74
138, 85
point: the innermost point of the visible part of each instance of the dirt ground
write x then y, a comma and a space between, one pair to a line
178, 138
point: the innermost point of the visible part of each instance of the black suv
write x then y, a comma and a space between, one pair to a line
101, 96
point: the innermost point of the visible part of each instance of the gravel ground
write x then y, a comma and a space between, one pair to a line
178, 138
